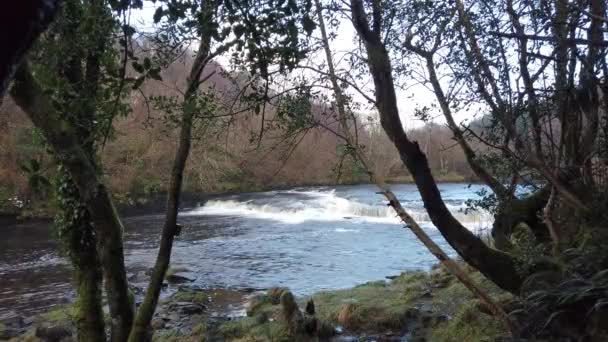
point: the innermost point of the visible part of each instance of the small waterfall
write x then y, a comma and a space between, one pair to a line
327, 206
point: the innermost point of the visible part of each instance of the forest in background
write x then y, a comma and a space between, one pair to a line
538, 69
227, 156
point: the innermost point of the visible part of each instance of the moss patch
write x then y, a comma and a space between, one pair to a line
63, 315
273, 316
414, 299
192, 296
469, 324
374, 306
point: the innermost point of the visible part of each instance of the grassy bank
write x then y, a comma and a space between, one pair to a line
421, 306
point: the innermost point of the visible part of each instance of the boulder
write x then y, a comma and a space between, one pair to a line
53, 333
178, 279
8, 333
310, 307
188, 308
275, 293
290, 313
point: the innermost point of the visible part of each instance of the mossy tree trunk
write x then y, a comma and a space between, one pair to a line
78, 239
21, 25
80, 69
62, 137
498, 266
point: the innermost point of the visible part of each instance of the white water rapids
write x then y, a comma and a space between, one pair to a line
327, 205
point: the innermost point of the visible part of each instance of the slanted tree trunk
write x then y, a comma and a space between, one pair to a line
451, 266
63, 139
171, 228
497, 266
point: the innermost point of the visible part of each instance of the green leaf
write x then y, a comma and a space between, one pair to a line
147, 63
128, 30
34, 165
138, 67
158, 15
308, 24
155, 74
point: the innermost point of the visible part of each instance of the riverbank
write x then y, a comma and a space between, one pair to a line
414, 306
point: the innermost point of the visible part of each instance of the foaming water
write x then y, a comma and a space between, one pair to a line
307, 239
326, 205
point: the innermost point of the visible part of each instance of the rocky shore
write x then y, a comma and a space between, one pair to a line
415, 306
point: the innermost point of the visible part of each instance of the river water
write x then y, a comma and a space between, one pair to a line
306, 239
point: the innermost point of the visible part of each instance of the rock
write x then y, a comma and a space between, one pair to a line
310, 307
288, 305
178, 279
326, 330
12, 319
29, 321
426, 295
310, 325
157, 324
291, 314
53, 333
261, 318
177, 275
412, 314
8, 333
254, 304
275, 294
187, 308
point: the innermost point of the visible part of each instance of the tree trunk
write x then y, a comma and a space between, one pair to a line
88, 276
497, 266
171, 228
21, 22
451, 266
528, 210
63, 139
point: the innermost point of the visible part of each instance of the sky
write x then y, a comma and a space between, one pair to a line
409, 97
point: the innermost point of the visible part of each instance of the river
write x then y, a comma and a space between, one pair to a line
306, 239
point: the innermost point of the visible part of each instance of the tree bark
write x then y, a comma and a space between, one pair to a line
74, 221
90, 324
451, 266
171, 228
21, 22
499, 267
63, 139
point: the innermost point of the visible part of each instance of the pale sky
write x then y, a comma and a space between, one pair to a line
409, 98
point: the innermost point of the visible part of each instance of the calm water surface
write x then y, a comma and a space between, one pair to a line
307, 239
